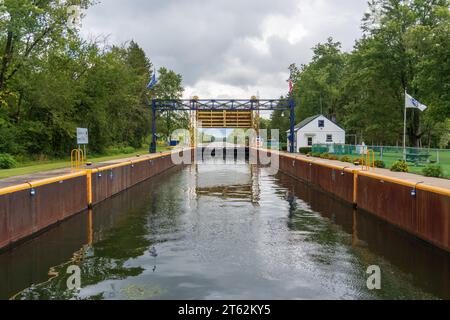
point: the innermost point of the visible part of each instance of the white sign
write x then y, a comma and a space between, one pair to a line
82, 136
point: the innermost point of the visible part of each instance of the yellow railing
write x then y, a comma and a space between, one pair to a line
369, 161
77, 159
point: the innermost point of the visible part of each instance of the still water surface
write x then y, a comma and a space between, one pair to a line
224, 232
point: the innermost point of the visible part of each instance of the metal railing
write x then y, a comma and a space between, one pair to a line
388, 153
369, 162
77, 159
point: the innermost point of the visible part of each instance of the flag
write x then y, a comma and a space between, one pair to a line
153, 82
412, 103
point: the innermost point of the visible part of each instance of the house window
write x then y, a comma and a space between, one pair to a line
329, 138
321, 123
310, 141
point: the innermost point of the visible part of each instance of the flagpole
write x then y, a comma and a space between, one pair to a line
404, 131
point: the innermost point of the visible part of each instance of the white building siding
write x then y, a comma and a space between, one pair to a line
338, 137
319, 135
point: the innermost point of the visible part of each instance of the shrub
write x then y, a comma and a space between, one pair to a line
359, 161
400, 166
120, 150
333, 157
433, 171
380, 164
111, 151
316, 154
7, 161
305, 150
346, 159
127, 150
325, 156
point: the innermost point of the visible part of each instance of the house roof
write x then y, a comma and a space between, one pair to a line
307, 121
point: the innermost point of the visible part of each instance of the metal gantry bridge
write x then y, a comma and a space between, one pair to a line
223, 113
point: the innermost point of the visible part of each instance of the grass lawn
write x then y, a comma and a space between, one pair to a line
40, 166
390, 158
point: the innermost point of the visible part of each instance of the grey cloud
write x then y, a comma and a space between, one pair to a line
210, 40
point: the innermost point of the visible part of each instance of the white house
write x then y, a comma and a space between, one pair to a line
317, 130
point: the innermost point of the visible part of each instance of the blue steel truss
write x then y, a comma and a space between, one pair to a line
220, 105
224, 105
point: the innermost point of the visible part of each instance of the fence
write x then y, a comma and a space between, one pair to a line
416, 157
439, 156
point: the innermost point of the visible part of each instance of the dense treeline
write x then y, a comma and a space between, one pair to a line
405, 45
52, 81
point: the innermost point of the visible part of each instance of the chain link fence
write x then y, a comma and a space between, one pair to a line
417, 158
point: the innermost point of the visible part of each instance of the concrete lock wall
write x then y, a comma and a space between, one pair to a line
337, 181
425, 214
108, 181
27, 209
37, 206
421, 210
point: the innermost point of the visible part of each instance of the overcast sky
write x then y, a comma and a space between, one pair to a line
227, 48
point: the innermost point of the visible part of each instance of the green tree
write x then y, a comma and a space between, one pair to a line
405, 46
280, 120
169, 87
394, 55
27, 29
317, 89
52, 81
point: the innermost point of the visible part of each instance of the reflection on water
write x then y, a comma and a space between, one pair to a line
224, 232
216, 181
